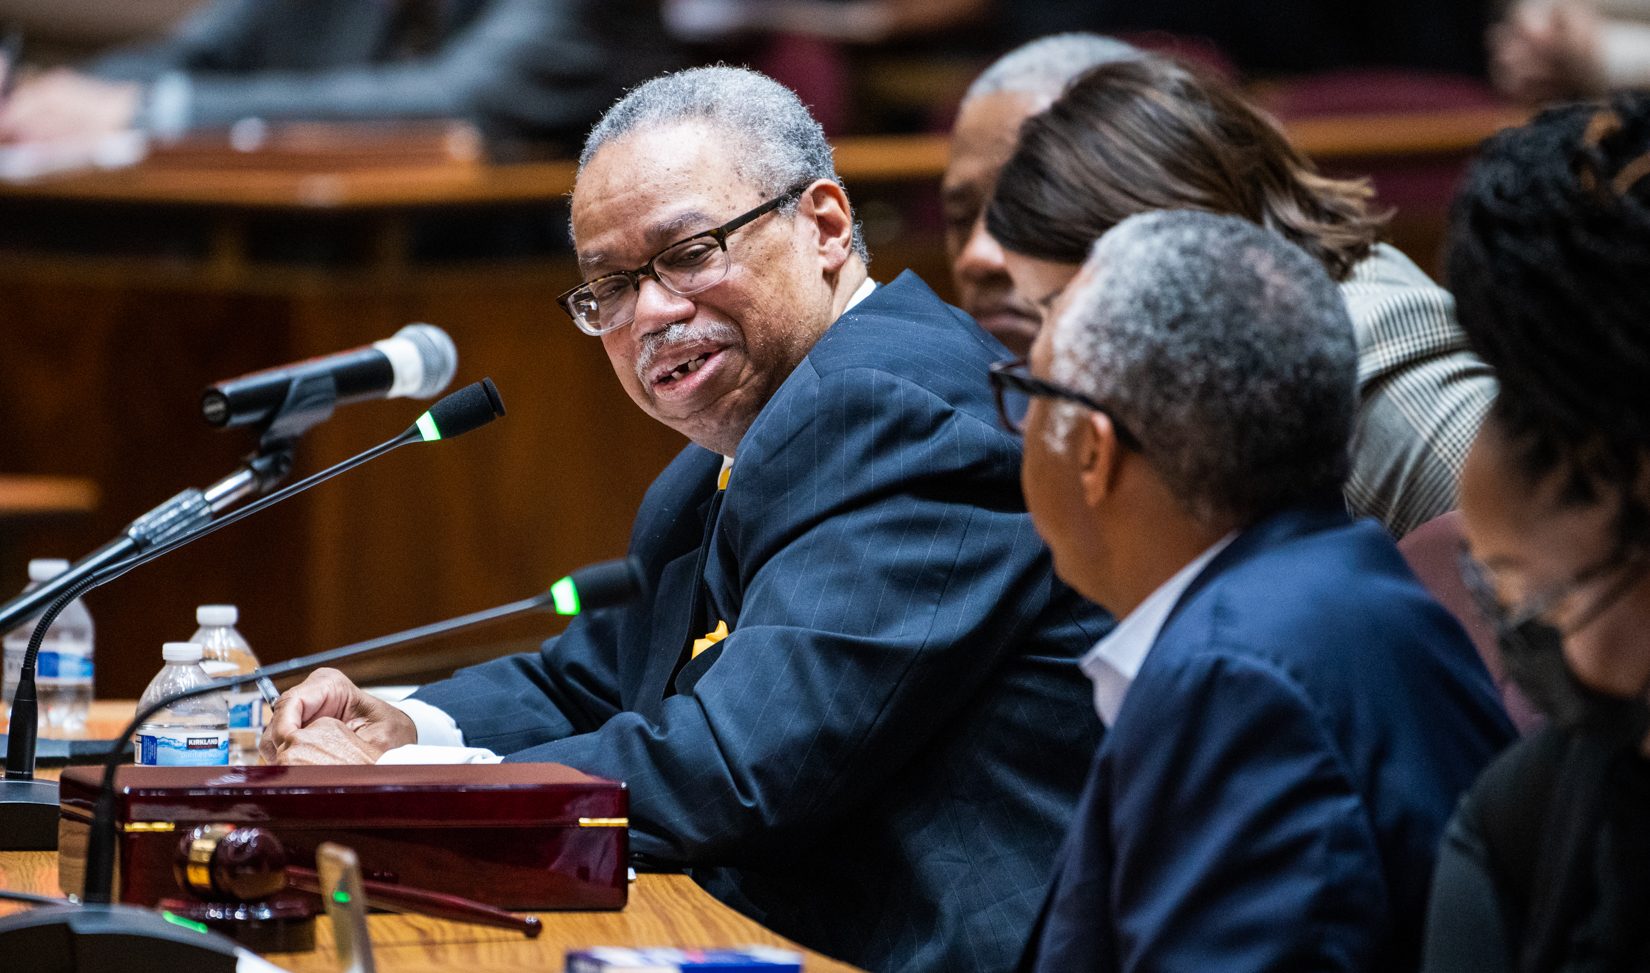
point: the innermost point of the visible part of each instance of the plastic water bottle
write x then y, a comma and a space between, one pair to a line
63, 669
190, 733
227, 654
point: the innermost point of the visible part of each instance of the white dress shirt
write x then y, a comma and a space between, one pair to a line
1116, 659
440, 741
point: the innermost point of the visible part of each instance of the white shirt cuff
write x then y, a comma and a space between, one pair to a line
418, 753
166, 112
435, 727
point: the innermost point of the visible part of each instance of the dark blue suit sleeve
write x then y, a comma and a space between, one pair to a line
1239, 840
520, 65
569, 686
876, 561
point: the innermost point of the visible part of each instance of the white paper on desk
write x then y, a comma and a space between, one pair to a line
249, 962
36, 160
423, 753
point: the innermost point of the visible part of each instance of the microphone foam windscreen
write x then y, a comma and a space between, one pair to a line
469, 408
438, 355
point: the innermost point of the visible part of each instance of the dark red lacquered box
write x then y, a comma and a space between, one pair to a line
517, 836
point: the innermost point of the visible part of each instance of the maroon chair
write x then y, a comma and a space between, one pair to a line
1433, 551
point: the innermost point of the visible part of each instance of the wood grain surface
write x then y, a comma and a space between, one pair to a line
860, 159
664, 910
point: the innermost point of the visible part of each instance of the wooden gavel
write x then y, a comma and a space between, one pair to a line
220, 862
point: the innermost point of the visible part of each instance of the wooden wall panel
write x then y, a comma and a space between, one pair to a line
101, 380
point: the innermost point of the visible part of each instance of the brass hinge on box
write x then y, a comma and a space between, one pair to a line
604, 822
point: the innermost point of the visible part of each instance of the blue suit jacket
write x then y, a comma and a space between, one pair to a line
1272, 792
881, 759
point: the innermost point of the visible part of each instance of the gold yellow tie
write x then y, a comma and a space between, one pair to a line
721, 630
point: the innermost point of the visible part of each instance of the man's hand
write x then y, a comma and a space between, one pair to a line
326, 741
62, 104
328, 719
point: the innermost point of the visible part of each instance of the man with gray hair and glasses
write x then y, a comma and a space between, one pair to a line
1290, 718
850, 704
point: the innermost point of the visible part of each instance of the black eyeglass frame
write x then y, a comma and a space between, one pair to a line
1016, 374
634, 278
1506, 620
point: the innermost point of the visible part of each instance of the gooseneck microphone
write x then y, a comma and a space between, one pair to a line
28, 807
418, 361
284, 403
125, 937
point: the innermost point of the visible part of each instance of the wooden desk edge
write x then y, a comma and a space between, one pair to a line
30, 496
860, 159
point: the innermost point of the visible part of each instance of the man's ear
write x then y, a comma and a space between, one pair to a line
1099, 456
826, 205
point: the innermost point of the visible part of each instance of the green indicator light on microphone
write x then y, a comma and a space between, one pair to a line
340, 896
566, 595
178, 920
427, 429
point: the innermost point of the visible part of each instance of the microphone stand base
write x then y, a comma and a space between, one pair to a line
28, 815
111, 939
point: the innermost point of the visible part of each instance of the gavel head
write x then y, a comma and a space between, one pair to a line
221, 862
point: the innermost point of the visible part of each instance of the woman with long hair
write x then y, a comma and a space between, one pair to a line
1149, 134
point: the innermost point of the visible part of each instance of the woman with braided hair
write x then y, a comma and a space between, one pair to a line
1546, 865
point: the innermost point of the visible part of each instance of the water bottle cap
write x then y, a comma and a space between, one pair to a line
216, 615
181, 652
46, 568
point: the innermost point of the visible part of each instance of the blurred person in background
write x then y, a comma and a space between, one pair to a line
1546, 864
1148, 133
1018, 85
1549, 50
521, 69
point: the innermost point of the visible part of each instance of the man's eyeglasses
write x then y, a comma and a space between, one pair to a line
1014, 385
686, 267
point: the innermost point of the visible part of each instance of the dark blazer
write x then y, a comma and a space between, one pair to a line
1273, 789
527, 68
881, 759
1546, 864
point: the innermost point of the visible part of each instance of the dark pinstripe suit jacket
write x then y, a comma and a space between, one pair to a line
880, 760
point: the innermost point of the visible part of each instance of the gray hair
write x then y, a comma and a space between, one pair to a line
1042, 68
778, 143
1225, 349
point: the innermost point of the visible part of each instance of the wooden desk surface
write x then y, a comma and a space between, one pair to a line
241, 184
43, 496
664, 910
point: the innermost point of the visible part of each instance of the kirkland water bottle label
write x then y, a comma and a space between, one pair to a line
246, 710
57, 666
192, 748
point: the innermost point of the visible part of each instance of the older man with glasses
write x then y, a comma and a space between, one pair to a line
851, 704
1290, 718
